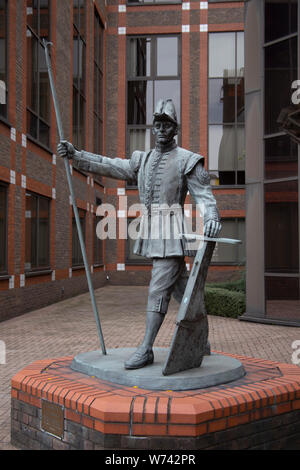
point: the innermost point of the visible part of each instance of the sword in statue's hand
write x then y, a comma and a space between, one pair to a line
193, 237
73, 199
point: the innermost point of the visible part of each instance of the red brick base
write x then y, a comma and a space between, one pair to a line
259, 411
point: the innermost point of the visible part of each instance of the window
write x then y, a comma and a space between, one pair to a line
281, 154
153, 72
131, 257
98, 243
281, 18
226, 140
146, 2
77, 258
79, 57
281, 157
3, 58
281, 182
280, 71
231, 254
281, 227
38, 96
98, 84
37, 236
3, 228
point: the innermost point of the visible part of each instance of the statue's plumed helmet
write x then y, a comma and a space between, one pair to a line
165, 109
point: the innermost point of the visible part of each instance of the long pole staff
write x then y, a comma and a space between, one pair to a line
68, 172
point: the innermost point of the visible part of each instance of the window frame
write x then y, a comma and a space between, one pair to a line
98, 67
153, 2
4, 271
6, 46
28, 108
152, 77
79, 263
77, 89
236, 124
274, 274
46, 267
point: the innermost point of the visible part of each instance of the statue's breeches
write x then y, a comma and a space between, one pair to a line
168, 275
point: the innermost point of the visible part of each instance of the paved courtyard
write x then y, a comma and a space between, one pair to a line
68, 327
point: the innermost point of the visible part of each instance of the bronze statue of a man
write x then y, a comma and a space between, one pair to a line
163, 175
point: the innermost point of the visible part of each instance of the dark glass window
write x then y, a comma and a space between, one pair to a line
281, 227
281, 18
153, 72
3, 58
3, 228
79, 13
37, 223
226, 116
146, 2
79, 71
280, 72
98, 243
38, 91
282, 288
98, 84
77, 258
281, 157
281, 163
232, 254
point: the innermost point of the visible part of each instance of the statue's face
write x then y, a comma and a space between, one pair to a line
164, 131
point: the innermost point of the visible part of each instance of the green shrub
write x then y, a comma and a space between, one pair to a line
224, 302
237, 286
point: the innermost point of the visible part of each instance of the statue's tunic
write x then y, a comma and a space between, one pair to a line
163, 180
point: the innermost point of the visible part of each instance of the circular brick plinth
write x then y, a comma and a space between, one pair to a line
261, 410
215, 369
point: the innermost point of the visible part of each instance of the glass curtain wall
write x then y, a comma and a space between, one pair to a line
281, 185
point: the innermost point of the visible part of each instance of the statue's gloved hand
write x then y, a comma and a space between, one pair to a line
66, 149
212, 228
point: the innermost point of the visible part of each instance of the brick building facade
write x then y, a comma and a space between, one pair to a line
97, 50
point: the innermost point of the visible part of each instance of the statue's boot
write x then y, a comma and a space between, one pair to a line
143, 356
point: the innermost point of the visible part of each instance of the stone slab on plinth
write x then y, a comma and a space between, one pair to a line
54, 407
215, 369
